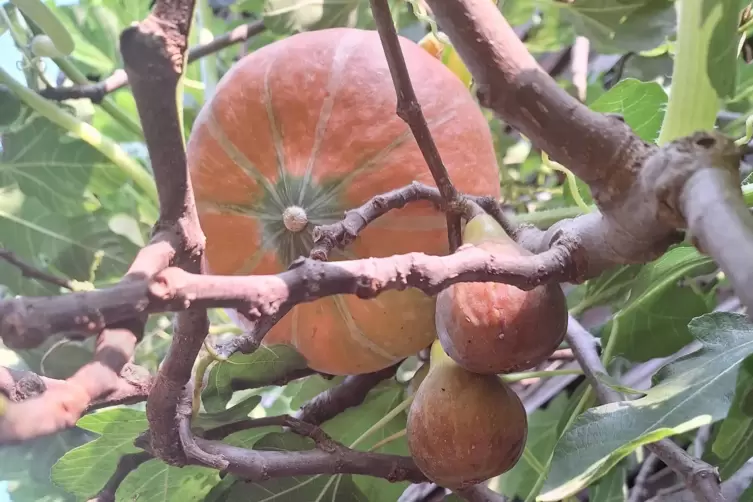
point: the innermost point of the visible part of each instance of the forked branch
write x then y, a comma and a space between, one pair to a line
26, 320
56, 405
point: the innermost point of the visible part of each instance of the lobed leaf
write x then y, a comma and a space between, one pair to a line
692, 391
642, 105
618, 26
653, 321
259, 369
84, 470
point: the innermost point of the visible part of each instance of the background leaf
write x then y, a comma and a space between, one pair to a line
84, 470
155, 481
260, 368
641, 104
692, 391
622, 25
653, 320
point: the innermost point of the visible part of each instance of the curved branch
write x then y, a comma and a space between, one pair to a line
25, 322
349, 393
59, 407
594, 146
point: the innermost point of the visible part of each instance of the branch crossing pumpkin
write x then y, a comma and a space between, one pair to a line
304, 129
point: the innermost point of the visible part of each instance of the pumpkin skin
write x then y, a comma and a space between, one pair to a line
309, 123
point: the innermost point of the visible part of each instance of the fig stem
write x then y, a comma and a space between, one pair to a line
517, 377
392, 437
383, 421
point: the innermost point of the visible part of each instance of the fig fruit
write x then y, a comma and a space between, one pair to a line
489, 327
463, 427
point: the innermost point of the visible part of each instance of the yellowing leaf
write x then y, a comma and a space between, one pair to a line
445, 52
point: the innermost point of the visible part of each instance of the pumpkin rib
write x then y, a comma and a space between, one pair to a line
239, 158
341, 56
375, 160
233, 209
356, 334
293, 335
274, 128
252, 262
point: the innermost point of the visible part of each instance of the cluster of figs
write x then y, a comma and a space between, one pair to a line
465, 424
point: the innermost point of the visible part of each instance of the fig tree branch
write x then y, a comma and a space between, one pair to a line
329, 456
119, 78
702, 478
409, 109
33, 272
514, 85
25, 322
59, 407
349, 393
154, 56
127, 464
639, 188
344, 232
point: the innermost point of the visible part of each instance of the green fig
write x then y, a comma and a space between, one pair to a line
464, 428
489, 327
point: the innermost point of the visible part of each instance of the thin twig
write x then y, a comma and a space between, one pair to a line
119, 78
349, 393
127, 464
250, 341
32, 271
409, 109
702, 478
341, 234
638, 493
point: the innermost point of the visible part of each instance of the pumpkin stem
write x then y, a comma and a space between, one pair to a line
295, 218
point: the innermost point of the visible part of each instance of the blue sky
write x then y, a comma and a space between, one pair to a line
9, 55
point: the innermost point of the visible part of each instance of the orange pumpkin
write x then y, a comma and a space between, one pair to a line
304, 129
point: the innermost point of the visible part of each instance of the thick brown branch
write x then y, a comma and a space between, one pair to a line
719, 220
154, 55
60, 405
349, 393
119, 78
512, 83
639, 188
258, 466
33, 272
702, 478
26, 322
